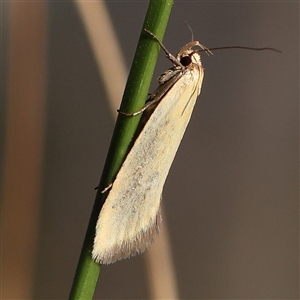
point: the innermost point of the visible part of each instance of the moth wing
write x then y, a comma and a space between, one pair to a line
130, 216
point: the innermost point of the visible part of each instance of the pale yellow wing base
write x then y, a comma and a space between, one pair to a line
130, 216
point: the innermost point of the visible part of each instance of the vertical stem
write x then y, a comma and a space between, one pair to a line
136, 91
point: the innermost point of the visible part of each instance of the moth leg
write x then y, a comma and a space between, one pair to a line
106, 188
153, 99
168, 53
137, 112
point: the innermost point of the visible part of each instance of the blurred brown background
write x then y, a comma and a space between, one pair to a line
231, 198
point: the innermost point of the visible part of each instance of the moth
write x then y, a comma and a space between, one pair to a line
130, 217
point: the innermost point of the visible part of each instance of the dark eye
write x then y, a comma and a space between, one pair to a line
185, 60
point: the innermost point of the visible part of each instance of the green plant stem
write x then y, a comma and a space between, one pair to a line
136, 92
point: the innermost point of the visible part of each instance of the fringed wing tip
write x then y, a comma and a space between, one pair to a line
130, 248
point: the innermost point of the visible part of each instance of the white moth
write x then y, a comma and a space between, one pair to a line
130, 217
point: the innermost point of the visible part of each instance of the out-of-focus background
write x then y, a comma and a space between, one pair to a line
231, 199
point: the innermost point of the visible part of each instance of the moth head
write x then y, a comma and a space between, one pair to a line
189, 53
